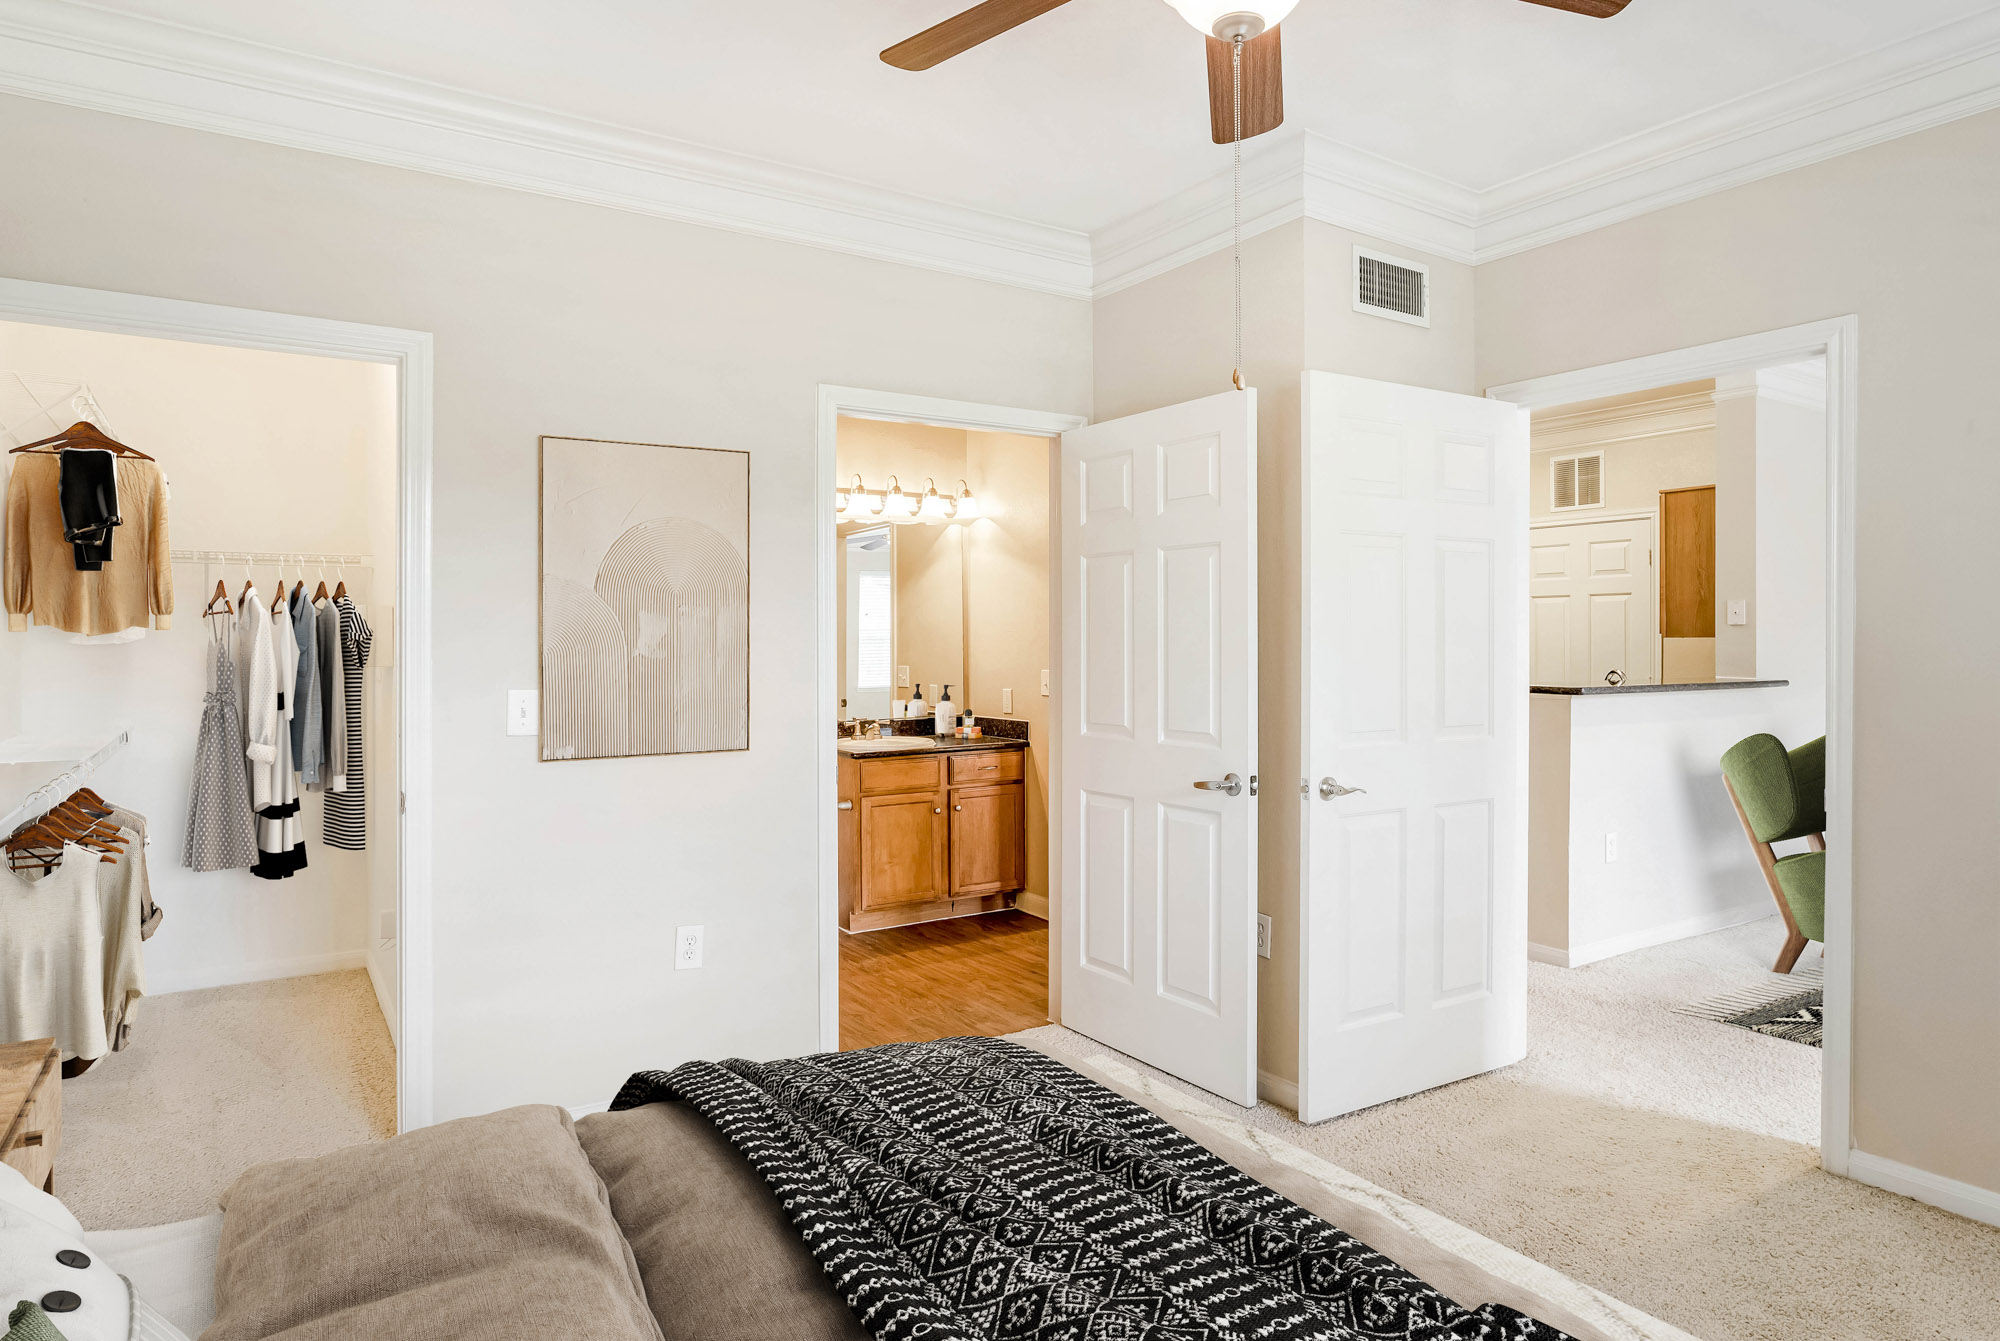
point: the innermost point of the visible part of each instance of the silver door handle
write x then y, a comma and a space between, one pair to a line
1230, 783
1328, 789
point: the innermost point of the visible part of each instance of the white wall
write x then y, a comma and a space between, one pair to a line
1788, 612
556, 901
1803, 246
262, 451
1646, 767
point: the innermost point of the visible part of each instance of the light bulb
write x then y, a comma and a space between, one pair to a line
934, 508
967, 508
858, 502
1230, 19
897, 505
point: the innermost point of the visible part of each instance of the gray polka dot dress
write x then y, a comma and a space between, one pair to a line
221, 832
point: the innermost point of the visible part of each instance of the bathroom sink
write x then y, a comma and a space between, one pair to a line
887, 744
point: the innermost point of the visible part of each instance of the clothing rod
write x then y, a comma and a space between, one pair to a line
260, 556
43, 799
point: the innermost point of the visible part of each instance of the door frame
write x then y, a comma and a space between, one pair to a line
409, 353
1837, 341
1651, 516
901, 408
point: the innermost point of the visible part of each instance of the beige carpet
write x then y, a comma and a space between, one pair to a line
217, 1081
1670, 1162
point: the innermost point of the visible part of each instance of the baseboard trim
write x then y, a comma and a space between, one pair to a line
268, 970
386, 1001
1647, 937
1034, 905
1278, 1090
1933, 1189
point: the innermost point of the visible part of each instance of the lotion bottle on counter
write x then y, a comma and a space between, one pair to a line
915, 707
945, 715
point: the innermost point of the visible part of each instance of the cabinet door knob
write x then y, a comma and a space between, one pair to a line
938, 811
958, 807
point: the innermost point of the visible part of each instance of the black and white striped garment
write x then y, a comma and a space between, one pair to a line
347, 811
973, 1188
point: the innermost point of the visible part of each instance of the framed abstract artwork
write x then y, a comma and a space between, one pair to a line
645, 599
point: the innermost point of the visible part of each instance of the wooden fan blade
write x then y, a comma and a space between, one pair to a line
1263, 87
1596, 9
963, 32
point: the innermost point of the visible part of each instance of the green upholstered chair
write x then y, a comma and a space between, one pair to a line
1780, 794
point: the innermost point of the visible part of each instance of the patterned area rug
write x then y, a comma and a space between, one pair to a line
1783, 1007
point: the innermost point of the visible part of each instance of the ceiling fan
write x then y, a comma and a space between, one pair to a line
1254, 23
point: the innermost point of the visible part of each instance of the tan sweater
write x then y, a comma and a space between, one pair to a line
41, 576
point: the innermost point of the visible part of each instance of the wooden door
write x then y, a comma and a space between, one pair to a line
1687, 563
1158, 703
988, 839
1414, 914
903, 838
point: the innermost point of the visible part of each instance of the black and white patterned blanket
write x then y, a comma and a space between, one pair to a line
974, 1188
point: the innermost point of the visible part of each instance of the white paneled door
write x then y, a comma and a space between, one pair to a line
1159, 727
1414, 861
1593, 601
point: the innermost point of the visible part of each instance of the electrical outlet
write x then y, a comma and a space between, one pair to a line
1045, 684
523, 710
1006, 700
1263, 935
902, 677
1611, 847
687, 948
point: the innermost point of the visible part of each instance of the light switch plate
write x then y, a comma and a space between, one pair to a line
1006, 700
687, 947
1739, 612
1263, 935
1610, 847
902, 677
1045, 684
523, 711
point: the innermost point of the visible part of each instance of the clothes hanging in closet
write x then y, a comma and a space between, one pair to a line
52, 956
281, 842
41, 578
88, 491
220, 831
332, 697
257, 694
347, 809
150, 913
124, 894
308, 731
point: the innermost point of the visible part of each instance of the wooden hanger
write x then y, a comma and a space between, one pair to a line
82, 433
221, 594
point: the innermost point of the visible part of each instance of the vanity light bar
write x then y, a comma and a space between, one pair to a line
857, 502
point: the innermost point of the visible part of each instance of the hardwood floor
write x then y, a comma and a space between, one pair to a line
966, 975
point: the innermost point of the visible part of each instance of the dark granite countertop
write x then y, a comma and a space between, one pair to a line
939, 745
1593, 690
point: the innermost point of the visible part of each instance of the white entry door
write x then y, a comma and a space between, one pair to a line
1159, 729
1593, 602
1414, 914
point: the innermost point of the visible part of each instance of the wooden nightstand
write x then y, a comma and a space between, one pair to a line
31, 1109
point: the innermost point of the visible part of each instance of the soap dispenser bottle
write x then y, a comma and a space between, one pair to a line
916, 706
945, 714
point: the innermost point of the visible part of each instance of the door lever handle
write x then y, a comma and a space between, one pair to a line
1328, 789
1230, 783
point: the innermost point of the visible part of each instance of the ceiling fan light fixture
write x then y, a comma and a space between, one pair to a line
1233, 19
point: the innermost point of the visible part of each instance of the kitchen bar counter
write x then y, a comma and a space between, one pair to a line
1593, 690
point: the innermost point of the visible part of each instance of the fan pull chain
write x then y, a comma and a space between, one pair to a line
1236, 202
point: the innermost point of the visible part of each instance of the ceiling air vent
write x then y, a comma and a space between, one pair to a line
1576, 482
1388, 286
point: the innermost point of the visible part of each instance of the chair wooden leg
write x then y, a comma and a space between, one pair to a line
1795, 945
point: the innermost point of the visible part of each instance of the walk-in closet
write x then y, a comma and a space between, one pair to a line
198, 755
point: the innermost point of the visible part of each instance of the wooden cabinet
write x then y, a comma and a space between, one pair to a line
930, 836
31, 1109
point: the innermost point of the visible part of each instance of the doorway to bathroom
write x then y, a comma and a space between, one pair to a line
939, 667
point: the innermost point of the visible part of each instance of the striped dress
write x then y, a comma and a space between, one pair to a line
347, 811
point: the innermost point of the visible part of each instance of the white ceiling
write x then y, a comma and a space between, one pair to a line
1086, 115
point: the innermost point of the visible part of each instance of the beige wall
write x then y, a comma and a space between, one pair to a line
1736, 509
1007, 607
553, 921
1820, 242
1169, 339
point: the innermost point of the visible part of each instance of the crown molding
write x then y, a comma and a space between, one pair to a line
1800, 384
1923, 81
132, 66
1665, 416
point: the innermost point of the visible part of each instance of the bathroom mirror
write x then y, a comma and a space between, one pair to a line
902, 608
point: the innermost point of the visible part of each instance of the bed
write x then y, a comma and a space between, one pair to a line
971, 1175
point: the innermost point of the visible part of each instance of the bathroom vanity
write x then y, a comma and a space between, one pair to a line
930, 827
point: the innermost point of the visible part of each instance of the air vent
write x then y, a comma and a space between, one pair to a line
1576, 482
1388, 286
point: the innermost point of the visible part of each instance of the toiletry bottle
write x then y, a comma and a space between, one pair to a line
916, 707
945, 713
